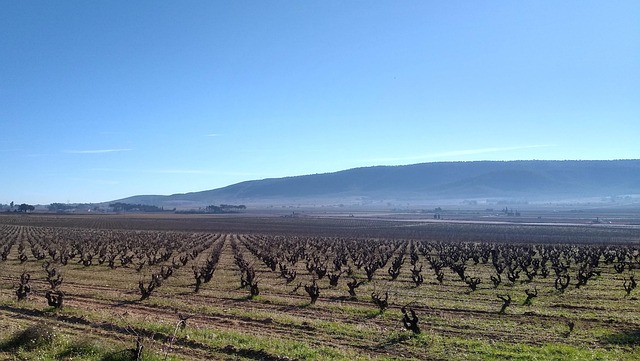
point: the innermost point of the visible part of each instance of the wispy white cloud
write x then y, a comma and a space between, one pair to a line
201, 172
94, 181
106, 170
213, 135
97, 151
457, 153
175, 171
181, 171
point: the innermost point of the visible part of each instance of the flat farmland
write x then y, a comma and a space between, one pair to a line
264, 287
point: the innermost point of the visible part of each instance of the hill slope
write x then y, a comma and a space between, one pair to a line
530, 180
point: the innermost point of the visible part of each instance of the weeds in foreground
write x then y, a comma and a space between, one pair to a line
32, 337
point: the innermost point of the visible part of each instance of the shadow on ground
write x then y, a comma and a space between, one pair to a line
628, 337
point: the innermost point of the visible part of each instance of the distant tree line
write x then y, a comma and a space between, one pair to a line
220, 209
225, 208
510, 212
23, 208
119, 207
60, 207
73, 207
26, 208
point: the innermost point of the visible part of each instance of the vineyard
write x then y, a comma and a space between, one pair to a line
271, 288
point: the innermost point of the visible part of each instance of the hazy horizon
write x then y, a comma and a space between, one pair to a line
536, 181
104, 101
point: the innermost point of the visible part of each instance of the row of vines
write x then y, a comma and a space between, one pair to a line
333, 268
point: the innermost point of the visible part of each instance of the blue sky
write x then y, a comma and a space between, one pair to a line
103, 100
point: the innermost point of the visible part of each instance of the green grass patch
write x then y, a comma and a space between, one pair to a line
460, 349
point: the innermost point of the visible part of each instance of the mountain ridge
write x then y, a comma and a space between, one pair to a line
525, 179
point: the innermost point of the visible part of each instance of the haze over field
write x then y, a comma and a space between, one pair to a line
101, 101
